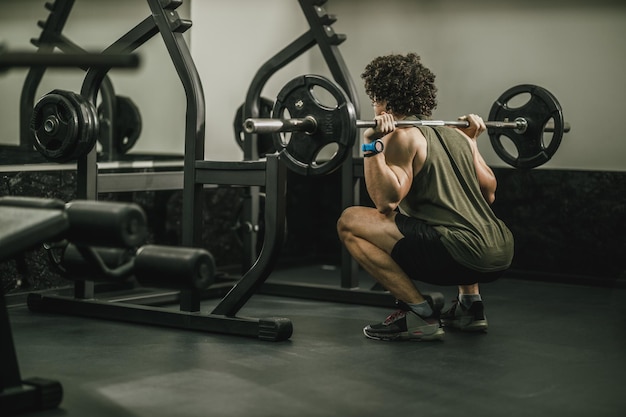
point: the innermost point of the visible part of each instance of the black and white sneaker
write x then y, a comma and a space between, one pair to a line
404, 324
472, 319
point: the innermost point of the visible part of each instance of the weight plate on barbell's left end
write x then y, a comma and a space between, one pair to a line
532, 147
324, 150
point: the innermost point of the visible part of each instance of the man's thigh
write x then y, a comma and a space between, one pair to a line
373, 226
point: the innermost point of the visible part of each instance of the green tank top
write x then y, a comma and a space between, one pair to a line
469, 229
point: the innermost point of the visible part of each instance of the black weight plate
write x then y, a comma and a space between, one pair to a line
328, 104
55, 126
537, 111
126, 124
265, 142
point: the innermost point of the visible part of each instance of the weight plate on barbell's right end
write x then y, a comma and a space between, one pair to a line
335, 117
530, 144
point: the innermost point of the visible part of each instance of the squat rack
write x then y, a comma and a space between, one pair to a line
320, 33
271, 174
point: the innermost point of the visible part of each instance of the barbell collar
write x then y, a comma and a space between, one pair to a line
307, 124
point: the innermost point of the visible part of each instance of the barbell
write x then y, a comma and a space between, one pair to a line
312, 115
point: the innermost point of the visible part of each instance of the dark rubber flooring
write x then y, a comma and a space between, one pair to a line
551, 350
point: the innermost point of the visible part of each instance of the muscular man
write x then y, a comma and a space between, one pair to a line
432, 220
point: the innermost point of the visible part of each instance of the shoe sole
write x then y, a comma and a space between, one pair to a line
474, 326
405, 336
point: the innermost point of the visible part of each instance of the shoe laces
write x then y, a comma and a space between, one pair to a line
395, 316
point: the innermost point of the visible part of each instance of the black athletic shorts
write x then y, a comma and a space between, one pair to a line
421, 254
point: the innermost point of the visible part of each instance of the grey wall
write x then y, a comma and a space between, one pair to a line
478, 49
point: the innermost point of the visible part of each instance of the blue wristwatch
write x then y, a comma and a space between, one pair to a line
373, 148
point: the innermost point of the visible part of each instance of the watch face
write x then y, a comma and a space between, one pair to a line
379, 146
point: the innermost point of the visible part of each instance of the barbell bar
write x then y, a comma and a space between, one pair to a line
309, 124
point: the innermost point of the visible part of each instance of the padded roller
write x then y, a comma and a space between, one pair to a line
106, 224
174, 267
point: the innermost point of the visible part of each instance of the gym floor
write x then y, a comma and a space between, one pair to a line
552, 350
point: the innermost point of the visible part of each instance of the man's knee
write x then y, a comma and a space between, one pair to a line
344, 222
350, 217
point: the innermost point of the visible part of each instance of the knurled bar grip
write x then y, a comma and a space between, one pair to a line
518, 124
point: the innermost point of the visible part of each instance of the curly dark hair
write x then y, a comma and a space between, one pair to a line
404, 82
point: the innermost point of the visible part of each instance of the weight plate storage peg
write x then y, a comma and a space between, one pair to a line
321, 148
265, 142
64, 126
542, 113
